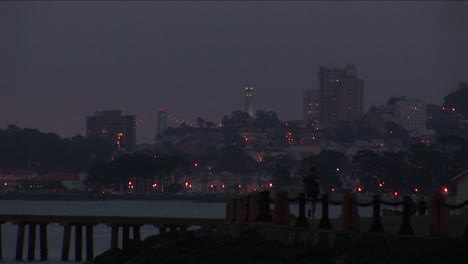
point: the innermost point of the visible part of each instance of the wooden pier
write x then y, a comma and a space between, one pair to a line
78, 223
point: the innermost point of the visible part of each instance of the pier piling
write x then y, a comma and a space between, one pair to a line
32, 242
115, 237
89, 243
136, 233
20, 242
66, 241
78, 242
1, 246
43, 241
125, 236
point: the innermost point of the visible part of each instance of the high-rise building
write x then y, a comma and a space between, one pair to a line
113, 127
409, 113
249, 107
162, 123
341, 95
311, 107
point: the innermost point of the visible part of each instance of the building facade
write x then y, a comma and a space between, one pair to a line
162, 123
311, 107
112, 127
249, 107
341, 95
410, 113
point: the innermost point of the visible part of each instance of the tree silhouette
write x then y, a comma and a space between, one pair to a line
458, 100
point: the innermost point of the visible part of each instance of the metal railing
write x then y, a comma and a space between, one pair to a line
264, 214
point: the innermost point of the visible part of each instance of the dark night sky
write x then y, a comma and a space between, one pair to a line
61, 61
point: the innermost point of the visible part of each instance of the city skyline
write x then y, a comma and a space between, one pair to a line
64, 61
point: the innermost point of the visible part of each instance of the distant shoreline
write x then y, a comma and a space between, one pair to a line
215, 197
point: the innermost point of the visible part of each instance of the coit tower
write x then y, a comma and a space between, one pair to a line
249, 108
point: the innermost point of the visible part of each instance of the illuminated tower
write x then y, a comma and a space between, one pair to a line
249, 108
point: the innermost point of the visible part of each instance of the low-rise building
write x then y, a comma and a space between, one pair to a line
29, 181
11, 179
461, 181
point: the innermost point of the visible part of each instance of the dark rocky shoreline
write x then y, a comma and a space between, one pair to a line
201, 247
250, 248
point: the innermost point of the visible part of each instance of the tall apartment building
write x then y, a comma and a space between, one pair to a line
112, 126
341, 95
311, 107
409, 113
249, 107
162, 123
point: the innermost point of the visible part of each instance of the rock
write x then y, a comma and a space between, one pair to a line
211, 247
111, 256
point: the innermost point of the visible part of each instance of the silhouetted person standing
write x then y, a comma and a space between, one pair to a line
312, 189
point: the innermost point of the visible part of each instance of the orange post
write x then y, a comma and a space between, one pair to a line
281, 213
438, 216
349, 214
241, 209
231, 211
245, 208
227, 218
253, 207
